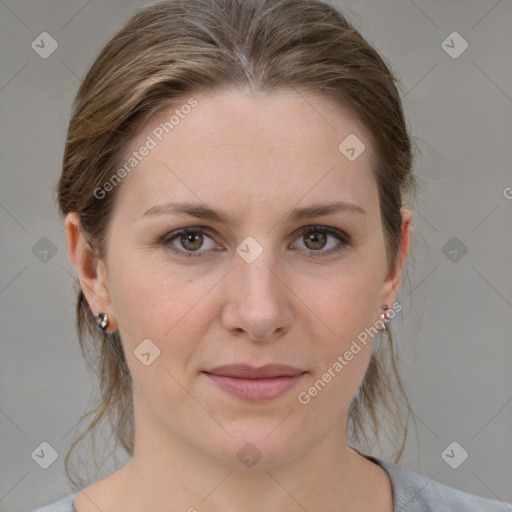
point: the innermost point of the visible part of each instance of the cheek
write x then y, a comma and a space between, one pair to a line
138, 291
342, 355
348, 308
155, 303
152, 306
347, 301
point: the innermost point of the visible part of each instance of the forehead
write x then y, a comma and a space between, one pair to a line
232, 144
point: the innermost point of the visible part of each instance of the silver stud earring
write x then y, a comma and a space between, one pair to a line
102, 321
385, 317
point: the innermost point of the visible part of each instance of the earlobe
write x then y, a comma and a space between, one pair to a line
90, 268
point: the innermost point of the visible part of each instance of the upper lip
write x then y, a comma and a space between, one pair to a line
250, 372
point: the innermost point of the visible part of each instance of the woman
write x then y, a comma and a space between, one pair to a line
235, 186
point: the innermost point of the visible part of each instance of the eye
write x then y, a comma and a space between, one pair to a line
190, 240
315, 239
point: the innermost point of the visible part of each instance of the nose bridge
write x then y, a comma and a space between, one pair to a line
257, 301
257, 278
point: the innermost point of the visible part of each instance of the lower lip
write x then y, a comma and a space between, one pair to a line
256, 390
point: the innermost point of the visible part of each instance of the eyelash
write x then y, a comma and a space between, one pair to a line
342, 237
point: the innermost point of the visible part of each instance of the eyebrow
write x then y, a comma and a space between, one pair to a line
201, 211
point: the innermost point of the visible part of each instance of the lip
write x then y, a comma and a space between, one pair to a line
246, 371
255, 384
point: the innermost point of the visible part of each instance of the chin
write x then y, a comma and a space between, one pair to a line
261, 447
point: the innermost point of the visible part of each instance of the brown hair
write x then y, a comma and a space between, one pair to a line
172, 49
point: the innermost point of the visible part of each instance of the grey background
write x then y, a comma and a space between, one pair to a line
454, 335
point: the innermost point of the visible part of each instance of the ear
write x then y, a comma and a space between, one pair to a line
393, 281
91, 270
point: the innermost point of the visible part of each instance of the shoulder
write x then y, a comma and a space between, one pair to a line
416, 493
62, 505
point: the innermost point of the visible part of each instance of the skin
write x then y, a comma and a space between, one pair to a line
287, 306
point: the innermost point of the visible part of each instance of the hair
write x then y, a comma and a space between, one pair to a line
168, 51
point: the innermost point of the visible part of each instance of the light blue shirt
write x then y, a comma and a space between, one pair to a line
411, 493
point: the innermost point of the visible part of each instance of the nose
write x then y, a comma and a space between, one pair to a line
258, 301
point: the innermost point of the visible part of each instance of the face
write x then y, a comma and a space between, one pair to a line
267, 274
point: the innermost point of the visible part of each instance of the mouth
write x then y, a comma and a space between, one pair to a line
256, 384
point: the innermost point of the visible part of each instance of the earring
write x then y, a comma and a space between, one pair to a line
385, 317
102, 321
